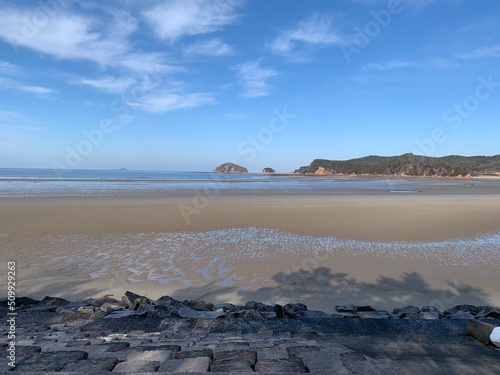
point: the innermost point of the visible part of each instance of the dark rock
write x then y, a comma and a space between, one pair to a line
230, 168
54, 301
91, 365
268, 170
410, 312
294, 310
278, 309
224, 307
118, 314
234, 361
131, 300
98, 302
430, 315
342, 315
291, 365
258, 306
198, 305
346, 308
485, 312
20, 302
117, 346
251, 314
194, 354
480, 331
460, 315
189, 313
315, 314
51, 361
365, 308
464, 308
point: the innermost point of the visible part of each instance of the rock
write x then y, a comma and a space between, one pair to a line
251, 314
429, 315
346, 308
495, 337
107, 307
224, 307
195, 354
189, 313
197, 365
460, 315
278, 309
198, 305
230, 168
349, 308
54, 301
98, 302
234, 361
167, 301
117, 314
20, 302
480, 330
485, 312
131, 300
464, 308
315, 314
258, 306
89, 366
268, 170
117, 346
410, 312
342, 315
373, 315
294, 310
290, 365
86, 310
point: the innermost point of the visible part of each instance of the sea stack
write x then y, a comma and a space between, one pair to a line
230, 168
268, 170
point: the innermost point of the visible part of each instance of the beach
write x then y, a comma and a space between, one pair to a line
322, 250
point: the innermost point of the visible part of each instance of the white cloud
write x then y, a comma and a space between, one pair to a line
319, 30
388, 65
255, 78
6, 66
173, 19
209, 47
161, 102
479, 53
107, 84
36, 89
406, 3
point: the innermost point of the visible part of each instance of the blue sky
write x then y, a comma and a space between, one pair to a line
190, 84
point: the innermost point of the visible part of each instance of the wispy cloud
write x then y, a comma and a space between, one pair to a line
161, 102
254, 78
40, 90
319, 30
407, 3
388, 65
479, 53
107, 84
209, 47
102, 39
6, 66
176, 18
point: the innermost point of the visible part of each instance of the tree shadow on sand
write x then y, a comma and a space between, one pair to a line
322, 288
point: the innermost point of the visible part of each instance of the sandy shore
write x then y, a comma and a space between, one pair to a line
78, 247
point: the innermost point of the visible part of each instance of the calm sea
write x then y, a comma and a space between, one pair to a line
20, 182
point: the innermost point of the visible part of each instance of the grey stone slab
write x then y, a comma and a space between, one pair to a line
293, 364
151, 356
480, 330
199, 364
137, 366
194, 354
91, 365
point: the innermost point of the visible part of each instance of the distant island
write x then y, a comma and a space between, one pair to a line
268, 170
408, 165
230, 168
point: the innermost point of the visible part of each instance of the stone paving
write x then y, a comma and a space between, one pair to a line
77, 346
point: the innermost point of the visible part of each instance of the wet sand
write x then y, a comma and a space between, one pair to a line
312, 249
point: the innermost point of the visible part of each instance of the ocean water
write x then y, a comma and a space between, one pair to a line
93, 182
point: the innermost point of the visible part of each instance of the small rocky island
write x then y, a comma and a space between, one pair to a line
268, 170
230, 168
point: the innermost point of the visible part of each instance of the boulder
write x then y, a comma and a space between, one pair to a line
189, 313
408, 312
373, 315
460, 315
464, 308
54, 301
485, 312
167, 301
481, 331
131, 300
278, 309
294, 310
253, 305
224, 307
198, 305
346, 308
230, 168
429, 315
